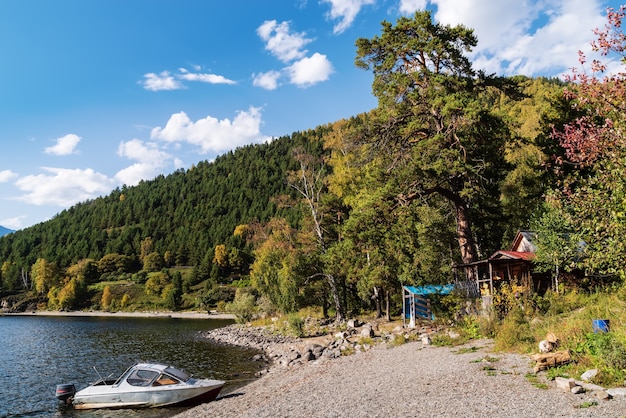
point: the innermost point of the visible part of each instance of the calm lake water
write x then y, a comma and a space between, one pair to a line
37, 353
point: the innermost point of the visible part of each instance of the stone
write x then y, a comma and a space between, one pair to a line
545, 346
589, 375
367, 332
318, 351
353, 323
312, 347
590, 387
577, 390
564, 384
454, 335
602, 395
617, 392
426, 340
293, 355
341, 335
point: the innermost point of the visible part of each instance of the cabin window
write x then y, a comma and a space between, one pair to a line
141, 377
165, 380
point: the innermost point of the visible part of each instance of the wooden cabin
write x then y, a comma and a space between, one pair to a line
514, 266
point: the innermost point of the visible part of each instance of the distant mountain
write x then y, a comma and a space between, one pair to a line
4, 231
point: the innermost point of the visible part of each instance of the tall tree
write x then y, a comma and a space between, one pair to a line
434, 123
310, 183
594, 193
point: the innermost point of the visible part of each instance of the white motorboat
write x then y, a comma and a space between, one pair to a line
143, 385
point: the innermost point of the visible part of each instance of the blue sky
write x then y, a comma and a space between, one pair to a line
95, 94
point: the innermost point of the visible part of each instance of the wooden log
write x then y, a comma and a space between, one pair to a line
547, 360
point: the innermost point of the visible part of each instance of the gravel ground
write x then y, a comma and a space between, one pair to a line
411, 380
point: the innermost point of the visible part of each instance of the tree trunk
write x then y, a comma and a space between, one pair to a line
387, 306
463, 223
333, 291
464, 233
376, 297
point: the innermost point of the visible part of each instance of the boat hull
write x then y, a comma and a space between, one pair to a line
110, 397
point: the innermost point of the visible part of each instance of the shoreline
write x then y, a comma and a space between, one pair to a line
120, 314
412, 379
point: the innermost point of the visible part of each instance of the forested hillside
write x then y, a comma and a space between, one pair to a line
185, 214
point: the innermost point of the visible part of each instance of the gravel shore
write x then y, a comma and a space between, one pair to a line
412, 380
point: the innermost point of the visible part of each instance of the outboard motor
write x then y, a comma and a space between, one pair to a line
65, 392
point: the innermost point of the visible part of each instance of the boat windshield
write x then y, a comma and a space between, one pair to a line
140, 377
177, 373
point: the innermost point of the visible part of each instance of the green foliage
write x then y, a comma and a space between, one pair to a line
469, 325
216, 294
609, 353
533, 379
436, 131
274, 271
106, 298
558, 249
514, 332
173, 292
587, 404
186, 214
559, 371
243, 306
156, 283
153, 262
296, 325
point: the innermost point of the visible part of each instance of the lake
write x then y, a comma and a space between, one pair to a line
39, 352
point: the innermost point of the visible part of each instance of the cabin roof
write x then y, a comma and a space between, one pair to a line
524, 242
512, 255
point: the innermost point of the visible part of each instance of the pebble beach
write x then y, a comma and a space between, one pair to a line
410, 380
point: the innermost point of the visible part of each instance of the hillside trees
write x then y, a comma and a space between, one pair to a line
186, 213
434, 124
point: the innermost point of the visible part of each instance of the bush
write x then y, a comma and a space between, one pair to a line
243, 307
608, 354
296, 325
514, 332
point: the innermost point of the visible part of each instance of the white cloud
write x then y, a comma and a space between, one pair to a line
212, 135
288, 47
204, 77
268, 80
346, 11
7, 175
309, 71
63, 187
411, 6
150, 161
161, 81
14, 223
65, 145
535, 37
280, 42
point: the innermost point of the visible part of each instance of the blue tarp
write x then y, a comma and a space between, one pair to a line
431, 289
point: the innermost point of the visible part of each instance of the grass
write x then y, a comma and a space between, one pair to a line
466, 350
569, 316
533, 379
587, 404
